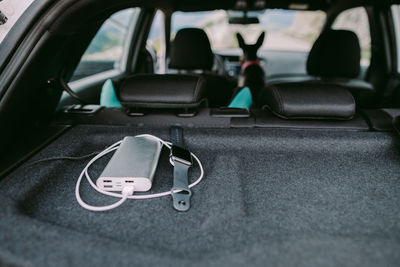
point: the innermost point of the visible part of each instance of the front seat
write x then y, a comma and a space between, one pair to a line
191, 52
335, 60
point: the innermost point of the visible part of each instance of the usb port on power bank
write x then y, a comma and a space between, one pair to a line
134, 163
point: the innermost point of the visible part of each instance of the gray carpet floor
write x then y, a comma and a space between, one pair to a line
269, 197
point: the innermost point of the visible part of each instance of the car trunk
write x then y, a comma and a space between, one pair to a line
278, 196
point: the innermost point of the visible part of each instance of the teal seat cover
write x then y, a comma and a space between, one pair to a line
108, 96
243, 99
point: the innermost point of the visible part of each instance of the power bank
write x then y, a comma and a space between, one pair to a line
134, 163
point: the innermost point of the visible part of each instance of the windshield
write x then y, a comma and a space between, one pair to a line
287, 30
11, 10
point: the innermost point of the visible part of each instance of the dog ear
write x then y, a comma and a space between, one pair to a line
260, 40
240, 40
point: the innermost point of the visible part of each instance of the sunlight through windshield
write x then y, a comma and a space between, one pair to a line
12, 10
285, 29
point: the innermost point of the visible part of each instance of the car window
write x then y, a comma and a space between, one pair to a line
356, 20
10, 12
106, 50
287, 30
396, 23
155, 40
289, 37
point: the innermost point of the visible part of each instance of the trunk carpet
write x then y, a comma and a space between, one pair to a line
269, 197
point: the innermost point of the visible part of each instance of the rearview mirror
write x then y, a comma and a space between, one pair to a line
243, 17
244, 20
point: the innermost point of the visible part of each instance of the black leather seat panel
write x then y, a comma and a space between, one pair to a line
162, 91
309, 101
363, 92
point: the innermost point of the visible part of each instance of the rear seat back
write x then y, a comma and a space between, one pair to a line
165, 100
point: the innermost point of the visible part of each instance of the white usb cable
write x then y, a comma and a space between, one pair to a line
127, 191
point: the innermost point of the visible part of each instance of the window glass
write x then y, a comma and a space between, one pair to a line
356, 20
287, 30
396, 23
155, 41
106, 50
10, 12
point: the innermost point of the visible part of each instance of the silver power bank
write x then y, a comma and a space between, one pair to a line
134, 163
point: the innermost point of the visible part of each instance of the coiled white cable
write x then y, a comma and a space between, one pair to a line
127, 191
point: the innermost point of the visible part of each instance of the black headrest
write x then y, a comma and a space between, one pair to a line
336, 53
161, 91
309, 101
191, 50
